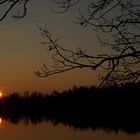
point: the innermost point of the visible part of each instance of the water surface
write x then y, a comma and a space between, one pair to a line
47, 130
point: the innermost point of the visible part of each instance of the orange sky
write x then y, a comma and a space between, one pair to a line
21, 52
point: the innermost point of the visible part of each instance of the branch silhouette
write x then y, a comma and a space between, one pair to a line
11, 5
117, 24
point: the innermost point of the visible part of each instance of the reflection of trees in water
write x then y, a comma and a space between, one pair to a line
111, 108
128, 123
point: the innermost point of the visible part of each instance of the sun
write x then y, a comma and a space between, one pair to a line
0, 94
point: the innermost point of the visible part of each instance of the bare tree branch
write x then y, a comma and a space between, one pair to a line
64, 5
119, 19
11, 4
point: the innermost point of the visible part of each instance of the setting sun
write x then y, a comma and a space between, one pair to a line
0, 94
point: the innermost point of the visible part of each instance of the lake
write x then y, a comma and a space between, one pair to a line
46, 130
71, 116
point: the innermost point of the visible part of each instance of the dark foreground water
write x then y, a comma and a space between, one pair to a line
25, 130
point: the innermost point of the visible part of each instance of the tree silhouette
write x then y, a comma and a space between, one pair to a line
117, 24
10, 5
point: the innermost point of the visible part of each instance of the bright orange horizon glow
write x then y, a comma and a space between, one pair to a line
0, 120
0, 94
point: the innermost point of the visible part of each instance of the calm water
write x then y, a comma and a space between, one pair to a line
49, 131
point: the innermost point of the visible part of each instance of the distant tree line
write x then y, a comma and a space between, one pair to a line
111, 108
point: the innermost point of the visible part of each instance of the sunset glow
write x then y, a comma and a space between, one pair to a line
0, 120
0, 94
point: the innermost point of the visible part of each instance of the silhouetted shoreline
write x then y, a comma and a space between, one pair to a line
110, 108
